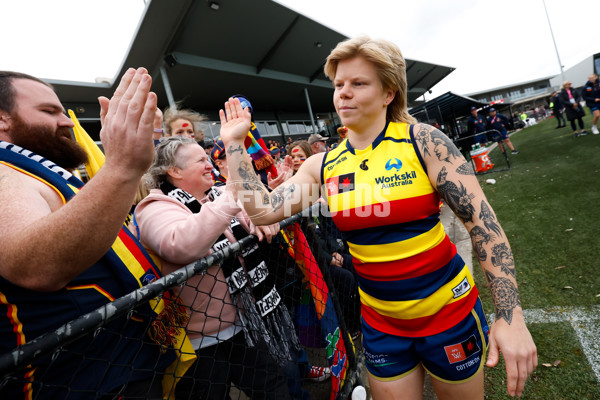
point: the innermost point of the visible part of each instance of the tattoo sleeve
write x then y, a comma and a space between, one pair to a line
488, 218
459, 200
279, 195
480, 237
506, 296
502, 257
465, 169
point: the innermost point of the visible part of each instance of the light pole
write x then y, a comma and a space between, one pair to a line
562, 73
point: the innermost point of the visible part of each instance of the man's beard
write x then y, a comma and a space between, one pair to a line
55, 145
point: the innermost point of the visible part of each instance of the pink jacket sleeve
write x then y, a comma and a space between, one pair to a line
176, 234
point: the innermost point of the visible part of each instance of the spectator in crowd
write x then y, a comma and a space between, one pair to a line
476, 126
318, 143
591, 95
557, 110
57, 259
180, 224
499, 123
524, 118
208, 145
276, 154
570, 98
300, 150
410, 320
184, 122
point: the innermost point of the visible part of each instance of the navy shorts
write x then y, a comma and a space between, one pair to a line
594, 107
453, 356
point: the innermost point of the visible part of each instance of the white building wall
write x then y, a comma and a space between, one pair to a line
577, 74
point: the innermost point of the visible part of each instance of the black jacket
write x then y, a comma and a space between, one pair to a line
572, 112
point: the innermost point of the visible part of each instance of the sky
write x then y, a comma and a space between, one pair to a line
490, 43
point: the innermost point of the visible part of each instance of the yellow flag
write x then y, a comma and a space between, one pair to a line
95, 155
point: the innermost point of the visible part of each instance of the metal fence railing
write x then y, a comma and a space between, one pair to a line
278, 256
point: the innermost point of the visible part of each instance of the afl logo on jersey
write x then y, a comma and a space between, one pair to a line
393, 163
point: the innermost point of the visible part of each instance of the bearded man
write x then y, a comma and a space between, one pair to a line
64, 251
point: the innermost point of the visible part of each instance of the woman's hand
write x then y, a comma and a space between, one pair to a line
265, 231
235, 122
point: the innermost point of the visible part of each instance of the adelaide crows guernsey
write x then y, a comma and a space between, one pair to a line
411, 280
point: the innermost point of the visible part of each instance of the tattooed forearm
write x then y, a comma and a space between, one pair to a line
280, 194
457, 198
506, 296
488, 218
502, 257
232, 150
249, 178
479, 238
465, 169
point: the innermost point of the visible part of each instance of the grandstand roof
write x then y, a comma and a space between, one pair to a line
211, 50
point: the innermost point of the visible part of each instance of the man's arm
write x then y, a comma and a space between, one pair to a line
46, 244
263, 207
455, 180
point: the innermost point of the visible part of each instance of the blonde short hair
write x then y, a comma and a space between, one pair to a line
390, 65
565, 83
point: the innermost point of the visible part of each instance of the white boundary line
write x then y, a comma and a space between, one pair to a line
585, 323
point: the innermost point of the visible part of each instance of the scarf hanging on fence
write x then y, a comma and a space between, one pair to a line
126, 259
301, 252
251, 285
258, 151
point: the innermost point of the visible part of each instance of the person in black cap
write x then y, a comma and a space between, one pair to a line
476, 126
499, 122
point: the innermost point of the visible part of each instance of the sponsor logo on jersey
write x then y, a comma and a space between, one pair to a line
340, 184
461, 351
393, 163
338, 161
396, 179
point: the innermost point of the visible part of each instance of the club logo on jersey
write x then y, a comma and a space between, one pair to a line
393, 163
461, 288
340, 184
363, 165
463, 350
148, 278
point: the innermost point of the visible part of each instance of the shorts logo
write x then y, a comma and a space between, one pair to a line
461, 351
461, 288
397, 164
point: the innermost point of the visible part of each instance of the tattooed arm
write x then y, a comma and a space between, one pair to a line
263, 208
454, 179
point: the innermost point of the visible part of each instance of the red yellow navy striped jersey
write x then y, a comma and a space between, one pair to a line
411, 280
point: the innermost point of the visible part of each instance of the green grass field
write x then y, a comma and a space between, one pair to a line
549, 206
